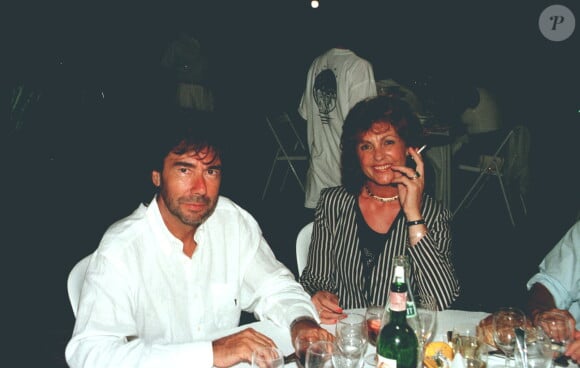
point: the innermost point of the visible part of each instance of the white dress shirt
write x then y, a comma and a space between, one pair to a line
144, 303
559, 272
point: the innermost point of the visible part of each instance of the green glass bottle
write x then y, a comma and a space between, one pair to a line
412, 319
397, 345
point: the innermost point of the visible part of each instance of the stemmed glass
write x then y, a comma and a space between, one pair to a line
267, 357
301, 345
559, 329
505, 321
465, 341
374, 317
427, 313
319, 355
351, 341
537, 349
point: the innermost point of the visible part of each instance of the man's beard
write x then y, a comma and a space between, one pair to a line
194, 219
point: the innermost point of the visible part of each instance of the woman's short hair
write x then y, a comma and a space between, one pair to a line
381, 108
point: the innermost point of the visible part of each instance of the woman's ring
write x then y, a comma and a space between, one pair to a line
417, 175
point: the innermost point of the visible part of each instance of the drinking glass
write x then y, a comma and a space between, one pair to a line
558, 329
504, 321
374, 317
426, 307
427, 313
319, 355
465, 342
351, 341
538, 353
301, 344
267, 357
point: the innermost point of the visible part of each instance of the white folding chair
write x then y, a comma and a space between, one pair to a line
290, 148
492, 166
75, 281
302, 245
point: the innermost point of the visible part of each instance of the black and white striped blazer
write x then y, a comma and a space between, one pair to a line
334, 259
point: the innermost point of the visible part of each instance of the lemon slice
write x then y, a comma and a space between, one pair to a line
430, 362
435, 348
437, 354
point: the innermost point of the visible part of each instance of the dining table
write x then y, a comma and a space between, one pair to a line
446, 321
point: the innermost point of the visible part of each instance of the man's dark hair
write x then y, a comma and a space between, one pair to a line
185, 131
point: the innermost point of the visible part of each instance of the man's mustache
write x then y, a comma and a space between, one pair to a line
195, 199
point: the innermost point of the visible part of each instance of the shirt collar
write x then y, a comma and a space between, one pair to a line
166, 240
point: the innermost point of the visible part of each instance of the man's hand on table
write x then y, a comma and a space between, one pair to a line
236, 348
573, 349
310, 328
329, 310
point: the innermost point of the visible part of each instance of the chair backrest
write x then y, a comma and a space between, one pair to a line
517, 170
289, 140
75, 281
290, 148
302, 245
491, 154
493, 164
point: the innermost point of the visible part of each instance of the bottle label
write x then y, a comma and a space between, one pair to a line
383, 362
398, 301
411, 310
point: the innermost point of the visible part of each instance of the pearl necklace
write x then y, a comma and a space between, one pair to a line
380, 199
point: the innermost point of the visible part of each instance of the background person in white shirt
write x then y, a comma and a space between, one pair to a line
187, 66
168, 278
336, 81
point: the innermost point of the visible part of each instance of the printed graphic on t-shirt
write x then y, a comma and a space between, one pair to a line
324, 92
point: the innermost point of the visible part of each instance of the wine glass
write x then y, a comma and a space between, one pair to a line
537, 350
426, 307
559, 329
465, 341
427, 311
374, 317
301, 344
504, 321
319, 355
351, 341
267, 357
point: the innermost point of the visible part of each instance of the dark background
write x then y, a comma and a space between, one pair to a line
75, 165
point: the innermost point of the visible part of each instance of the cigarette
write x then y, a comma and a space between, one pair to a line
422, 148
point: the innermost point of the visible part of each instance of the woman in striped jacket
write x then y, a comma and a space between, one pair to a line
379, 212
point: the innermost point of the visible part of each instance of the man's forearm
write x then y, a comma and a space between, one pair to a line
539, 300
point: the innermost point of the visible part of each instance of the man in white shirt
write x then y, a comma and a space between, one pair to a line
336, 81
168, 278
556, 286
